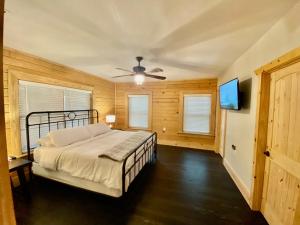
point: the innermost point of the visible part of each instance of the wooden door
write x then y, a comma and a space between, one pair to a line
281, 194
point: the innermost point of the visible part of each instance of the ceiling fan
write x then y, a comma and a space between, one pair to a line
139, 73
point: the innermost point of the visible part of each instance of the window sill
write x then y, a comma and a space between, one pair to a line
203, 135
137, 128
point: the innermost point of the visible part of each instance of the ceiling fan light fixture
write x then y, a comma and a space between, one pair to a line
139, 74
139, 79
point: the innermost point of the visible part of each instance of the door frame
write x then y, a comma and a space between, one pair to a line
7, 216
261, 126
222, 131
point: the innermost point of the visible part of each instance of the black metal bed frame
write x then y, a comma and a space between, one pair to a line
49, 118
142, 154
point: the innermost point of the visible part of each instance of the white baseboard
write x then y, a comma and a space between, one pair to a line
239, 183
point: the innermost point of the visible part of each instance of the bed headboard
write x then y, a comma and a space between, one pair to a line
39, 124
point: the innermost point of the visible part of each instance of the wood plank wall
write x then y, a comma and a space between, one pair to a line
14, 60
165, 110
7, 215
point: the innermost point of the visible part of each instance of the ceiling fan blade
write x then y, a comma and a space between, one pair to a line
156, 70
154, 76
124, 70
128, 75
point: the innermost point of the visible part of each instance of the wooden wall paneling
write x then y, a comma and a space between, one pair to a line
7, 216
23, 66
165, 110
14, 124
297, 212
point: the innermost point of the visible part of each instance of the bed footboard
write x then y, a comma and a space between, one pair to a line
144, 153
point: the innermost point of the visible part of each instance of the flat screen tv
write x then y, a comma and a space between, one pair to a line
229, 95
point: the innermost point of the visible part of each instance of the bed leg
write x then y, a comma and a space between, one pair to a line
123, 185
155, 152
124, 177
155, 147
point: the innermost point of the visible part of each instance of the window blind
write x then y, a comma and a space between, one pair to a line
138, 111
77, 100
196, 113
35, 97
22, 111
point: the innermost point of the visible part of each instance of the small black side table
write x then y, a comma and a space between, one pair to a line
19, 165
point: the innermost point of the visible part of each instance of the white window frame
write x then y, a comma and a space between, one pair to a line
212, 94
149, 94
37, 84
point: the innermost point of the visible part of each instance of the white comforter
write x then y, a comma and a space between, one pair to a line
81, 159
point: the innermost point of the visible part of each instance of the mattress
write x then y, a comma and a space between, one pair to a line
78, 164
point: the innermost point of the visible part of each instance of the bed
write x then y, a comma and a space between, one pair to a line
72, 147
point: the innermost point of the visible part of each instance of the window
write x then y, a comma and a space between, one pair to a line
76, 99
196, 113
138, 111
42, 97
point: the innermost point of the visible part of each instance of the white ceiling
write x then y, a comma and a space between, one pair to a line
189, 39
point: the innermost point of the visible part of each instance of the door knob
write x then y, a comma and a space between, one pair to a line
267, 153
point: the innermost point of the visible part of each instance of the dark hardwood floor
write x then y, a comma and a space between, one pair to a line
184, 187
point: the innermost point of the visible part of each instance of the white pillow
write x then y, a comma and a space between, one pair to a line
97, 129
45, 141
68, 136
